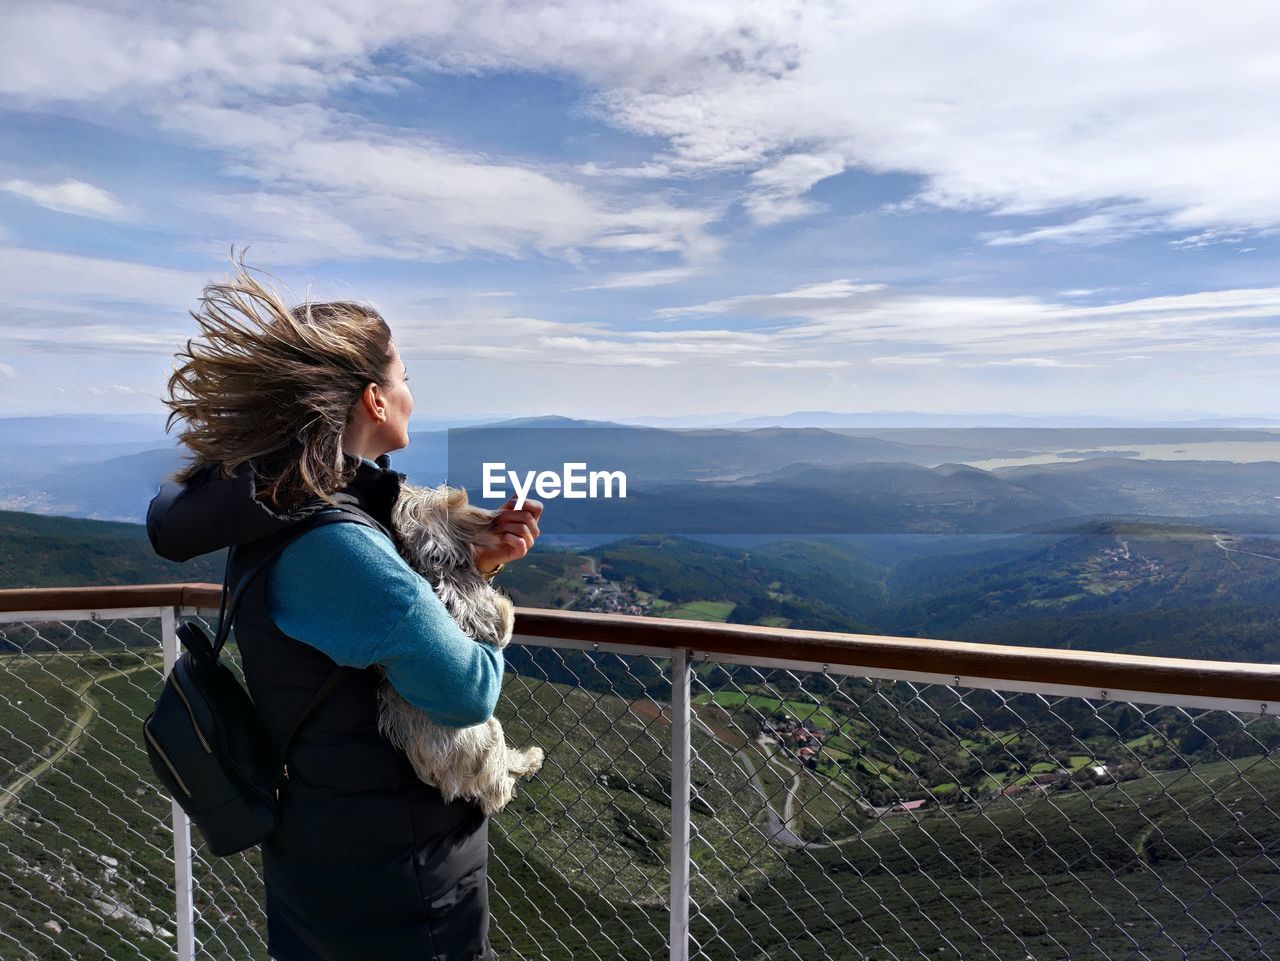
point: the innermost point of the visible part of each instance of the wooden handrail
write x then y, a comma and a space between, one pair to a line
1257, 683
15, 600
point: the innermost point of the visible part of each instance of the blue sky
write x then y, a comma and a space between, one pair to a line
639, 209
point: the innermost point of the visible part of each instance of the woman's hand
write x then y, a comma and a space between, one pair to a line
515, 531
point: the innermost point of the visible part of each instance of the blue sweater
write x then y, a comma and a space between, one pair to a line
343, 589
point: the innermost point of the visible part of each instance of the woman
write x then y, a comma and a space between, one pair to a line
282, 409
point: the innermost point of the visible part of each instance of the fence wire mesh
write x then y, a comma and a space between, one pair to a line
843, 817
832, 816
86, 848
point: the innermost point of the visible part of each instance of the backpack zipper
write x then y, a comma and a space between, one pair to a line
183, 694
146, 730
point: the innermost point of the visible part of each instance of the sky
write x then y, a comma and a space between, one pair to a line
657, 209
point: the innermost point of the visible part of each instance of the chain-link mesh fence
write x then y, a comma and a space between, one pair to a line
850, 818
86, 846
832, 815
86, 839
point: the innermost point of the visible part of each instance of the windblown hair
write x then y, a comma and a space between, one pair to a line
274, 385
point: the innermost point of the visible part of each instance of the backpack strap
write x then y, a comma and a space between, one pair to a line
322, 693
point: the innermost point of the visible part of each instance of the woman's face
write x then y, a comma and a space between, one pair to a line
393, 433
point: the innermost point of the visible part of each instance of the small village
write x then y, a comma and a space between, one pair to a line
605, 596
1122, 565
803, 741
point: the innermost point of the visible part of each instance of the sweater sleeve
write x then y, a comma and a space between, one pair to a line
343, 589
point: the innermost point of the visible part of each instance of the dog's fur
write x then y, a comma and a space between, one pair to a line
436, 528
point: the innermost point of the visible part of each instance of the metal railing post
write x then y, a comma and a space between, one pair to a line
680, 783
182, 851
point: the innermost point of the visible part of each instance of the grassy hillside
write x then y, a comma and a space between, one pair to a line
580, 857
1110, 585
1158, 588
39, 551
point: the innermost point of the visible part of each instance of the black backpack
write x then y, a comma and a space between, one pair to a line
204, 738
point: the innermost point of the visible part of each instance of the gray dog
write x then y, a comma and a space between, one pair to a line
437, 528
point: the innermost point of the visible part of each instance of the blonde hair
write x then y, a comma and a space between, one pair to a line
274, 386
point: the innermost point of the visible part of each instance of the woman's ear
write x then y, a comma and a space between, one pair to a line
373, 403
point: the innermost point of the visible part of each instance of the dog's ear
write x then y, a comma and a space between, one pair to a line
466, 521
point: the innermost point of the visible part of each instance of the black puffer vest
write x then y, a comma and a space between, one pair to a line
368, 862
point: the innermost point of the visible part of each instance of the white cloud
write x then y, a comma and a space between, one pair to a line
643, 278
95, 310
993, 104
847, 324
905, 361
444, 334
7, 370
60, 283
343, 187
1025, 362
1207, 238
599, 352
480, 331
1099, 228
780, 188
998, 331
116, 390
720, 339
797, 364
114, 340
134, 50
68, 197
800, 299
1001, 107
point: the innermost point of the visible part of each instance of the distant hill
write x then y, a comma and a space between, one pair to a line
1109, 584
652, 455
1171, 488
898, 420
115, 489
796, 583
81, 429
1163, 588
38, 551
1169, 589
791, 481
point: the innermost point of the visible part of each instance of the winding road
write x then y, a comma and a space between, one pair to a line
1221, 541
68, 742
780, 829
